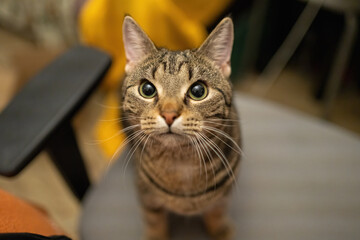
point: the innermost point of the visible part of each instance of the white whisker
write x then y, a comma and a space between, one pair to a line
203, 160
224, 120
144, 148
123, 144
197, 151
119, 119
124, 130
218, 123
208, 154
132, 150
225, 135
238, 152
221, 156
106, 106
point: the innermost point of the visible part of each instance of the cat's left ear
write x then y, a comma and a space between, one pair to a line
137, 44
218, 45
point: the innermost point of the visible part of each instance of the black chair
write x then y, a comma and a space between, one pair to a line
58, 92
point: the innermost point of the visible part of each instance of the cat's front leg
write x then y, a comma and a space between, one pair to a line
156, 225
217, 223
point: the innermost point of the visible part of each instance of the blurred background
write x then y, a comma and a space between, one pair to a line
305, 55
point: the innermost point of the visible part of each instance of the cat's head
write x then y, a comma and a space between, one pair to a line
176, 94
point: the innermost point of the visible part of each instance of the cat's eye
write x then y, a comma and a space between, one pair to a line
147, 89
198, 91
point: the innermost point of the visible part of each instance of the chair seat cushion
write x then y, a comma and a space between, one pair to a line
18, 216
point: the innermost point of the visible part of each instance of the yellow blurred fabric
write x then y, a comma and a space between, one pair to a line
174, 24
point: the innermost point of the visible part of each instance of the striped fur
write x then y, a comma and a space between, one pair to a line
189, 167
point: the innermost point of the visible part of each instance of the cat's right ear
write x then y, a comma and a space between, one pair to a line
218, 46
137, 44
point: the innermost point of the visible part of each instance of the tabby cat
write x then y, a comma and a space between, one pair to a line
183, 129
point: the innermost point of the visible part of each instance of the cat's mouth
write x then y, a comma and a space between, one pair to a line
171, 134
171, 138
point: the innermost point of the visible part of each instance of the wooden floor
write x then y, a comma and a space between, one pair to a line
40, 183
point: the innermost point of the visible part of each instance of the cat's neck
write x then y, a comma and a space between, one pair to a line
175, 149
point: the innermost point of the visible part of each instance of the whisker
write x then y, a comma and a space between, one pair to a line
124, 130
203, 160
119, 119
225, 135
238, 152
209, 155
224, 119
132, 151
106, 106
218, 123
197, 151
221, 156
228, 120
123, 144
144, 148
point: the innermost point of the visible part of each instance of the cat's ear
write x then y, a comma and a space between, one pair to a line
136, 43
218, 45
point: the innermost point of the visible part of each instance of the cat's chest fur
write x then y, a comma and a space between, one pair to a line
176, 169
175, 179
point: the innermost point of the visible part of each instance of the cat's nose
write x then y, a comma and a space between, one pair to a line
169, 117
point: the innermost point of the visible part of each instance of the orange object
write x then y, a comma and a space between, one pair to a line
16, 216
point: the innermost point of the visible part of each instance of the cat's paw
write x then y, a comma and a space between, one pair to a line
225, 232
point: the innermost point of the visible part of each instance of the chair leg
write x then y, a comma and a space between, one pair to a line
64, 151
340, 62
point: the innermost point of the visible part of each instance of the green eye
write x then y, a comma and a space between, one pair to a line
198, 91
147, 89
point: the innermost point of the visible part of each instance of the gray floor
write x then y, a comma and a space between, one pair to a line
299, 180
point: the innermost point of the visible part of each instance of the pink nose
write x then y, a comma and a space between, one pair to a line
169, 117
